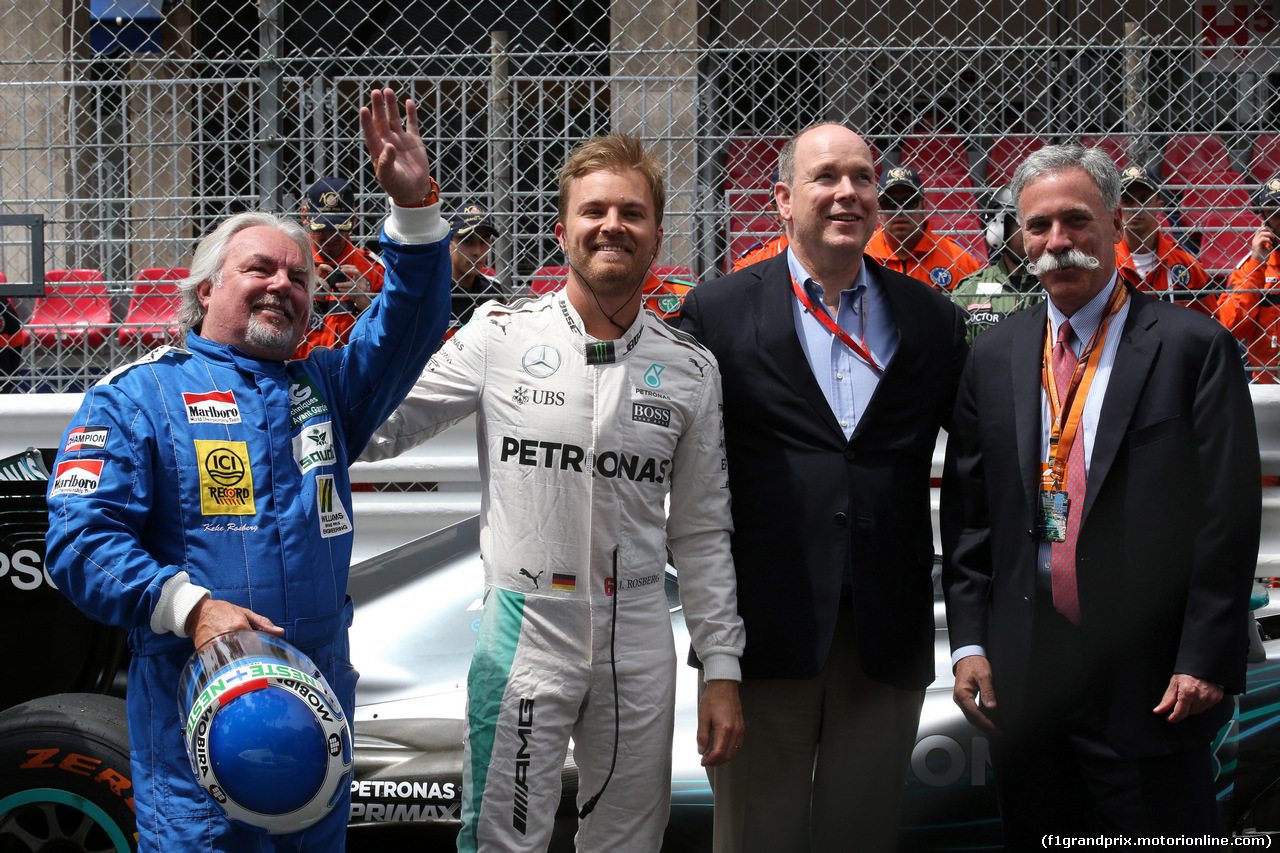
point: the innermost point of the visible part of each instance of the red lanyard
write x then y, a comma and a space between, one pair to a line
1065, 414
821, 315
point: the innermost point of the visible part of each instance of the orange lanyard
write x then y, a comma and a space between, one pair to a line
1065, 414
821, 315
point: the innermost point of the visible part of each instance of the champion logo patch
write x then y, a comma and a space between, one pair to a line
76, 477
213, 407
86, 438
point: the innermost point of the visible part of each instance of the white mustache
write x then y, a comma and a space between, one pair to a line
277, 303
1069, 259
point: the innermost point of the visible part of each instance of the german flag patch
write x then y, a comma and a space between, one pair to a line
564, 583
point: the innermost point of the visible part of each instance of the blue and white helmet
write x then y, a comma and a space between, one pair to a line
267, 739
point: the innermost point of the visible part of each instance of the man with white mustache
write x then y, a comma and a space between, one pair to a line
1100, 518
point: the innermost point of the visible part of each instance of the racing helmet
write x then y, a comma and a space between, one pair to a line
1000, 210
266, 737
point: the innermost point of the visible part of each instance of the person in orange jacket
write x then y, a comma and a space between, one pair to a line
1251, 306
761, 252
664, 296
1164, 268
906, 244
349, 277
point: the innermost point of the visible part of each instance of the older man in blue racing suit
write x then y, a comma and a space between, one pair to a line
205, 489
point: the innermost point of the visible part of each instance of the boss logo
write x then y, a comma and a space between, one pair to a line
648, 414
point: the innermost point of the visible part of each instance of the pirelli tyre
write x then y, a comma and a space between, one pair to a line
64, 776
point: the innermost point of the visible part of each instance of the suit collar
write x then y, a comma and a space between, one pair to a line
1026, 355
770, 298
901, 309
1135, 357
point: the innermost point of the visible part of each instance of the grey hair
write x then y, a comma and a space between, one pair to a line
787, 156
1059, 158
211, 255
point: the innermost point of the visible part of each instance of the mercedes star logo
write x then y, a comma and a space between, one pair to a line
541, 360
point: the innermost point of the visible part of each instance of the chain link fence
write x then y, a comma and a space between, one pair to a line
133, 126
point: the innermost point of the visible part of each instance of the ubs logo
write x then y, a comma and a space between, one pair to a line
224, 467
540, 361
523, 395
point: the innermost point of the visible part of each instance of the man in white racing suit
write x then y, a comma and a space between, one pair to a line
591, 411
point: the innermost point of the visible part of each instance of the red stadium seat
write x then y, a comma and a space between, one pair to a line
1225, 222
941, 160
748, 194
1116, 146
751, 162
152, 318
1198, 158
1264, 163
1006, 154
75, 310
547, 279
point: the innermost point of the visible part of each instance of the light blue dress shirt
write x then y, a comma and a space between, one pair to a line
1083, 324
846, 381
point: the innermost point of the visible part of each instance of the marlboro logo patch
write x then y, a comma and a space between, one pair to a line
213, 407
76, 477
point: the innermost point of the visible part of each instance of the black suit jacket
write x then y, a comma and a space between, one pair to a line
1168, 541
806, 502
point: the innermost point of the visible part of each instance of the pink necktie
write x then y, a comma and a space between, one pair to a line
1062, 563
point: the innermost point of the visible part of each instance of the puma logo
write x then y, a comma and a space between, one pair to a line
533, 578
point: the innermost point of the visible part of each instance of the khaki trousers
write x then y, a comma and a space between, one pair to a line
823, 763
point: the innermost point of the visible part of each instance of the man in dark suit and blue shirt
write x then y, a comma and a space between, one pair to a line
1101, 510
837, 375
